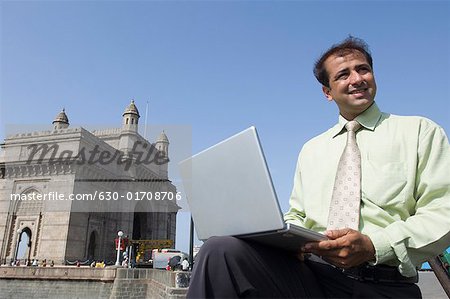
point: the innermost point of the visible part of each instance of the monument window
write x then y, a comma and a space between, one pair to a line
23, 251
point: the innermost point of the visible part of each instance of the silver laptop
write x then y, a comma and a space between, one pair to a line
230, 193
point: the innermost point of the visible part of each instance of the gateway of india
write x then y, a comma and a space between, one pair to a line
65, 193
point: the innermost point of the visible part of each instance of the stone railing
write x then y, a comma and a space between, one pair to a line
150, 283
84, 282
58, 273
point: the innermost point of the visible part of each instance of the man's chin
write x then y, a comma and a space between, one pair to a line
361, 96
363, 101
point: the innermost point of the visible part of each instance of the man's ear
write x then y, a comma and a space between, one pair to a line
327, 93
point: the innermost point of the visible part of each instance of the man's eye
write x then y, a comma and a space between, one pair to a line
342, 76
364, 70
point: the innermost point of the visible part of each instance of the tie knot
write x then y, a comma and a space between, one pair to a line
352, 126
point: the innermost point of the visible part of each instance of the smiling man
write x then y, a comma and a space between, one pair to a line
376, 184
351, 83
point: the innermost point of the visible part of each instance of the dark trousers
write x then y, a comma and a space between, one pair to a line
227, 267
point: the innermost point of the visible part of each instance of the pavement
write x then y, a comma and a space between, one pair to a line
430, 286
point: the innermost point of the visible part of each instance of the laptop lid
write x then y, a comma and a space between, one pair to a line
229, 189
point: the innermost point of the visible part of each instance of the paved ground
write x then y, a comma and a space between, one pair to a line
430, 286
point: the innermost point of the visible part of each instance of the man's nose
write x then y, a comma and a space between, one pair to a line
356, 78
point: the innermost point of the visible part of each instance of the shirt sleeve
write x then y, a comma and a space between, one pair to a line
427, 232
296, 213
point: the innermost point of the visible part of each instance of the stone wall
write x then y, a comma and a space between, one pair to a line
20, 289
73, 282
150, 283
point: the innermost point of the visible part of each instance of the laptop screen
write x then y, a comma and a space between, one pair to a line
229, 189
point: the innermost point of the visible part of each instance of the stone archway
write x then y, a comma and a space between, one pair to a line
137, 234
93, 248
143, 228
25, 226
24, 246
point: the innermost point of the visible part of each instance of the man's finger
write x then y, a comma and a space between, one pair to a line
337, 233
322, 245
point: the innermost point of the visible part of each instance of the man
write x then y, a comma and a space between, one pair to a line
376, 184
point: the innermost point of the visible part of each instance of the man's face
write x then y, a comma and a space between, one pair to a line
352, 83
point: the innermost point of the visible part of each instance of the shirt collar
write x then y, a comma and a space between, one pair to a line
368, 119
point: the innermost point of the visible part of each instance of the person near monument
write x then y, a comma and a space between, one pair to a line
185, 265
125, 262
376, 184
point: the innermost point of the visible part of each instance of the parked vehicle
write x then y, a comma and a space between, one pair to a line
162, 257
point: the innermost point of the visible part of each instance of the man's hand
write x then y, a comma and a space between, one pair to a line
345, 248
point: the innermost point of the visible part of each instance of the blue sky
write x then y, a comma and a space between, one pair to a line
216, 67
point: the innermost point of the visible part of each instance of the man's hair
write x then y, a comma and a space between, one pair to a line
347, 46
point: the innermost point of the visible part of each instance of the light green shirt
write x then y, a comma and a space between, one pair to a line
405, 185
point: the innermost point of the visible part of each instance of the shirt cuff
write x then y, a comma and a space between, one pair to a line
383, 249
